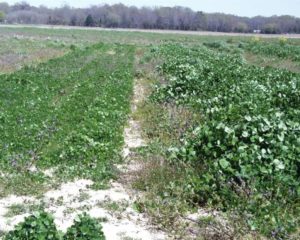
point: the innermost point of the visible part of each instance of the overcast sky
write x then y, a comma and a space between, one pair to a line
238, 7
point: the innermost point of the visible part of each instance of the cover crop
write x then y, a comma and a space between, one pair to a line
245, 151
68, 112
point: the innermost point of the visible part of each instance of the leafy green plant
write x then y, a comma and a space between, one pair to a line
245, 150
69, 111
84, 228
38, 226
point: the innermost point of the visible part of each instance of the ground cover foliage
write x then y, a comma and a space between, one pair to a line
41, 226
68, 112
231, 130
244, 152
282, 49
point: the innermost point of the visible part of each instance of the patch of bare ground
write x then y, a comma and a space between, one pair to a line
129, 170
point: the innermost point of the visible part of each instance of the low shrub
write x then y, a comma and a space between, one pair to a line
84, 228
36, 227
40, 226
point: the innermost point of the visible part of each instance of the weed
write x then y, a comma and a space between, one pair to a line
83, 196
85, 227
41, 225
16, 209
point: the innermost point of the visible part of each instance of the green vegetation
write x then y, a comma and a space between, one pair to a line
16, 209
19, 209
222, 134
278, 53
243, 154
38, 226
281, 49
69, 112
275, 62
85, 227
41, 226
89, 21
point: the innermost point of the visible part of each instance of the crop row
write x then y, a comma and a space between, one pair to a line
245, 151
68, 112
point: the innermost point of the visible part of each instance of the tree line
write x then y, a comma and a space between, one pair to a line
121, 16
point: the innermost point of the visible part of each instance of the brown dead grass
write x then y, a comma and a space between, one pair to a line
264, 61
11, 62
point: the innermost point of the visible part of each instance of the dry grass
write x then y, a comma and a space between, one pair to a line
17, 51
14, 61
263, 61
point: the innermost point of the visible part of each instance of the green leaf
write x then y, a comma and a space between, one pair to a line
248, 118
245, 134
224, 163
279, 164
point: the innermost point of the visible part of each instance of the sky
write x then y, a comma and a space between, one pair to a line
247, 8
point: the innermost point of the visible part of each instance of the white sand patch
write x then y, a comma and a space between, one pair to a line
132, 133
6, 223
12, 200
49, 172
33, 169
68, 190
127, 229
66, 203
132, 137
136, 225
74, 198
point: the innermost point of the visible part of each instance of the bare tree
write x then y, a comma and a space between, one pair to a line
119, 15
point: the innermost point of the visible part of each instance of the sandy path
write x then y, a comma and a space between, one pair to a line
136, 226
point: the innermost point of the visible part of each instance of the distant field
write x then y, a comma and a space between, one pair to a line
204, 125
24, 44
197, 33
